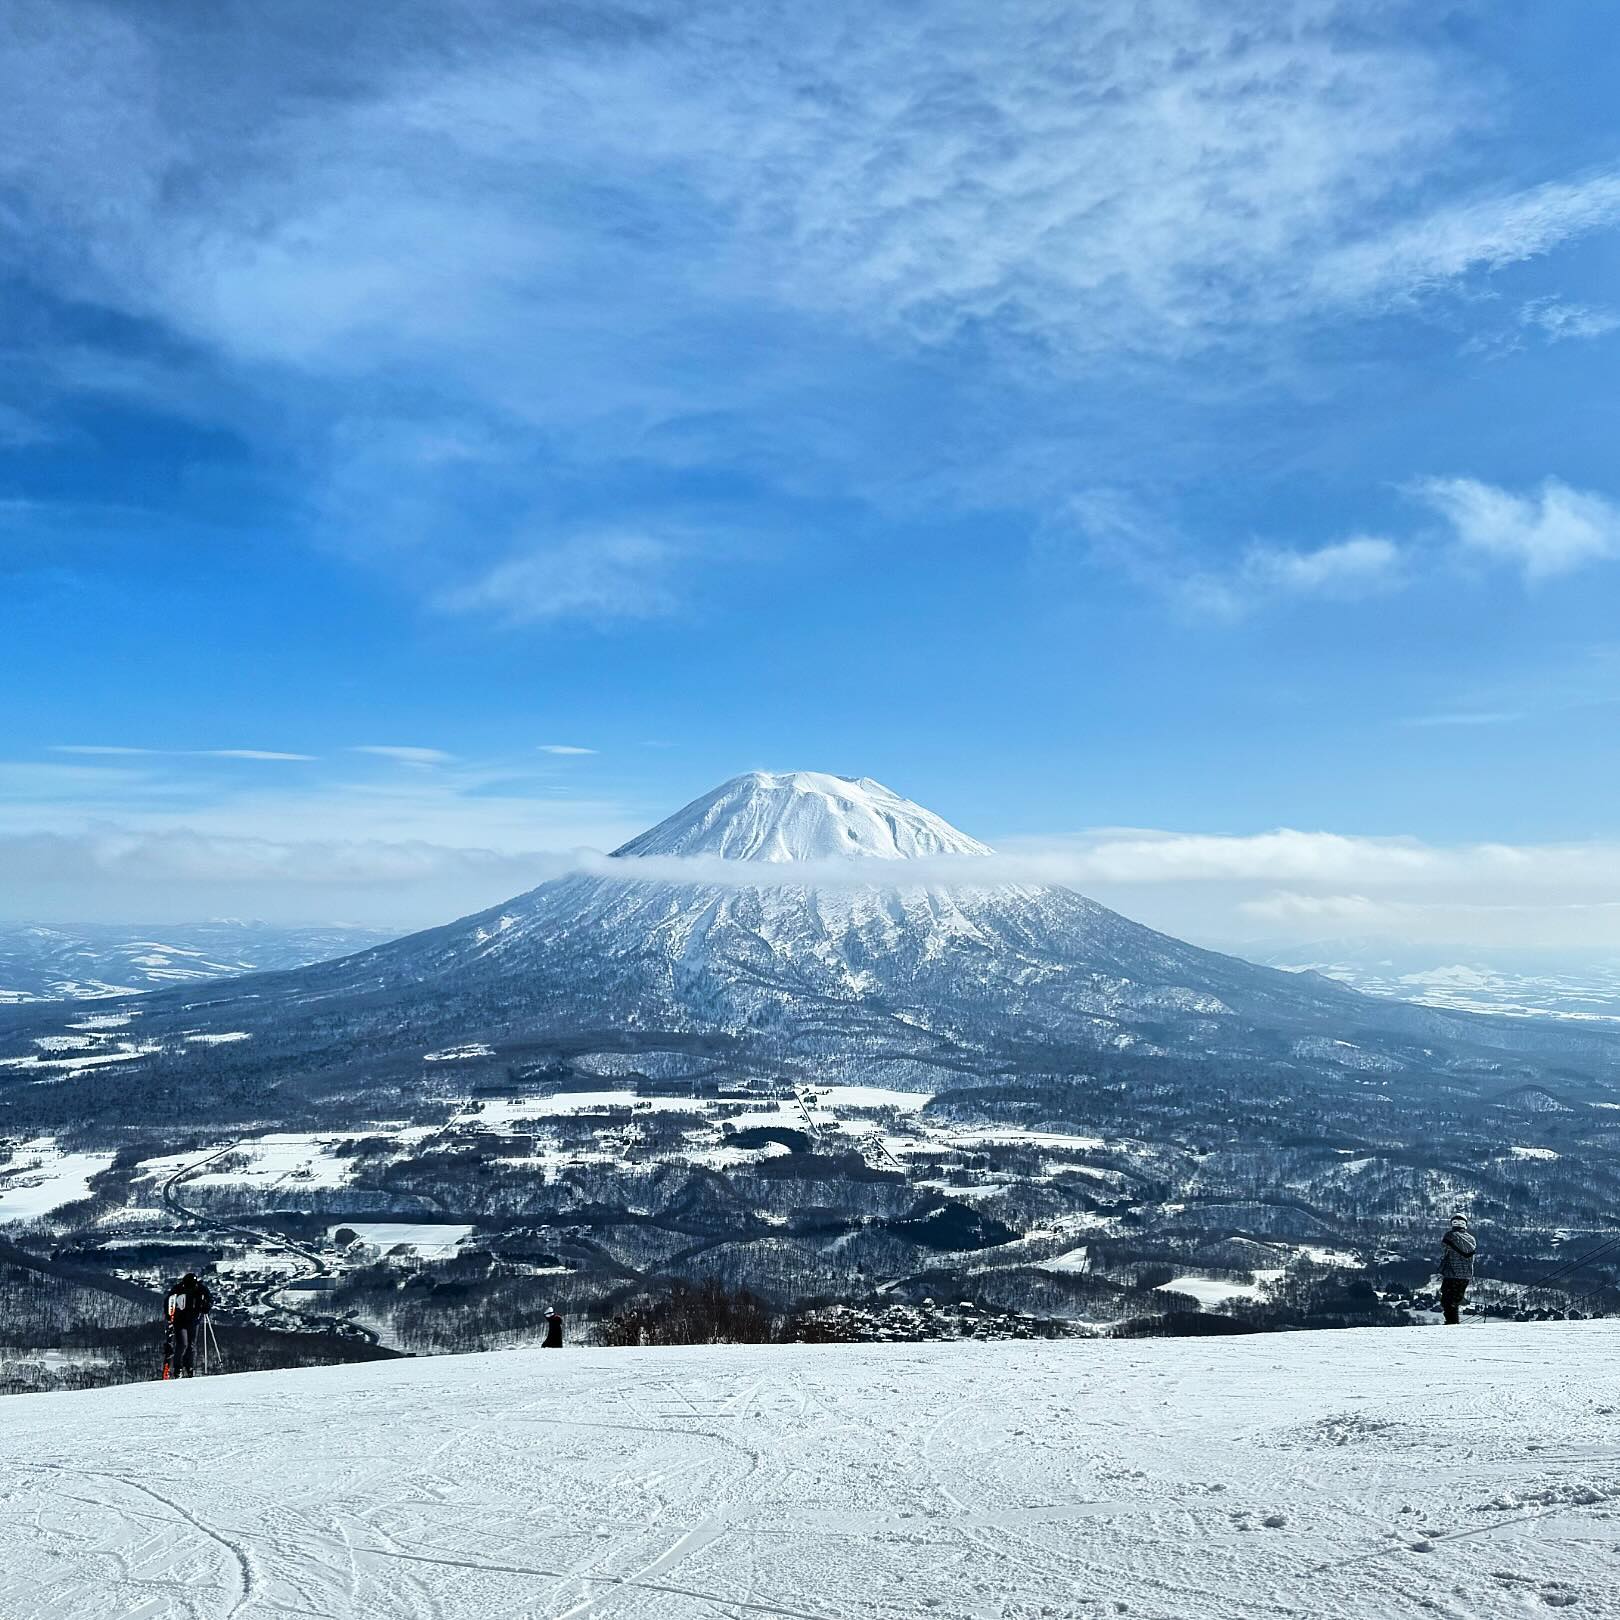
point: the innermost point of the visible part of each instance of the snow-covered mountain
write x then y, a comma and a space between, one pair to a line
848, 969
41, 962
1361, 1475
802, 816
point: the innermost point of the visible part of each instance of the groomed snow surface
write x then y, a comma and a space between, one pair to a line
1468, 1472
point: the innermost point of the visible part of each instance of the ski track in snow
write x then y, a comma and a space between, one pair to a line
1465, 1474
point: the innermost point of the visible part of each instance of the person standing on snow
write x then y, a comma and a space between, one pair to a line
1456, 1267
553, 1339
188, 1303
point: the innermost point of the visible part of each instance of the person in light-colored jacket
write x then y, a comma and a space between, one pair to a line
1456, 1267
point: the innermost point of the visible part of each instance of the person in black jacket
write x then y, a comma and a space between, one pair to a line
1456, 1268
188, 1303
553, 1339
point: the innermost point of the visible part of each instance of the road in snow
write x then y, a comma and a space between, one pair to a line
1461, 1473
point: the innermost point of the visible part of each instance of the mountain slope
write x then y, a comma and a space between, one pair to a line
858, 975
1360, 1474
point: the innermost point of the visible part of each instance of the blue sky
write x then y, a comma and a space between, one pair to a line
1194, 417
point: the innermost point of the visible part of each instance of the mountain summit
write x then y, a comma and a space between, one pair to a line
802, 816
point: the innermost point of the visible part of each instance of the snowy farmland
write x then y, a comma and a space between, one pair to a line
1357, 1474
40, 1178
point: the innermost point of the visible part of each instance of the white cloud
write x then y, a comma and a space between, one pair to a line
597, 577
186, 855
248, 753
117, 750
1104, 178
589, 237
1284, 883
1526, 925
1550, 531
1554, 530
179, 874
1483, 233
403, 754
1561, 321
1466, 717
1351, 568
1123, 534
405, 848
564, 748
1283, 856
27, 783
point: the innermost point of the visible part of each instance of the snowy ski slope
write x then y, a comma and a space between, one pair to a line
1469, 1473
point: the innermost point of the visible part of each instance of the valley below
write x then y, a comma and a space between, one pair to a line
876, 1108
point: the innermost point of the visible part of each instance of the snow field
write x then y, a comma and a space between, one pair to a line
1212, 1291
1472, 1473
40, 1178
274, 1160
824, 1112
430, 1240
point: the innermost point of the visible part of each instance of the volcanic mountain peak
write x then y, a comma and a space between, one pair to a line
803, 816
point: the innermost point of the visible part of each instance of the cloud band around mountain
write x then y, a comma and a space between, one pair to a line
1281, 883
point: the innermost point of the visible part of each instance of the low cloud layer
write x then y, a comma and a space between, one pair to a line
1279, 885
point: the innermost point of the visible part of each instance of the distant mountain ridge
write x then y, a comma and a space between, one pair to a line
1577, 986
47, 962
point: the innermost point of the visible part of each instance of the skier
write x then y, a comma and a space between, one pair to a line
188, 1302
1456, 1267
553, 1339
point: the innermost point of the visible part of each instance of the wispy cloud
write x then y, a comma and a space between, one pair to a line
564, 748
122, 751
1346, 569
27, 784
1454, 922
1553, 530
1437, 249
411, 846
600, 578
1095, 175
551, 243
251, 753
404, 754
1465, 717
1561, 321
111, 749
185, 855
1122, 533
